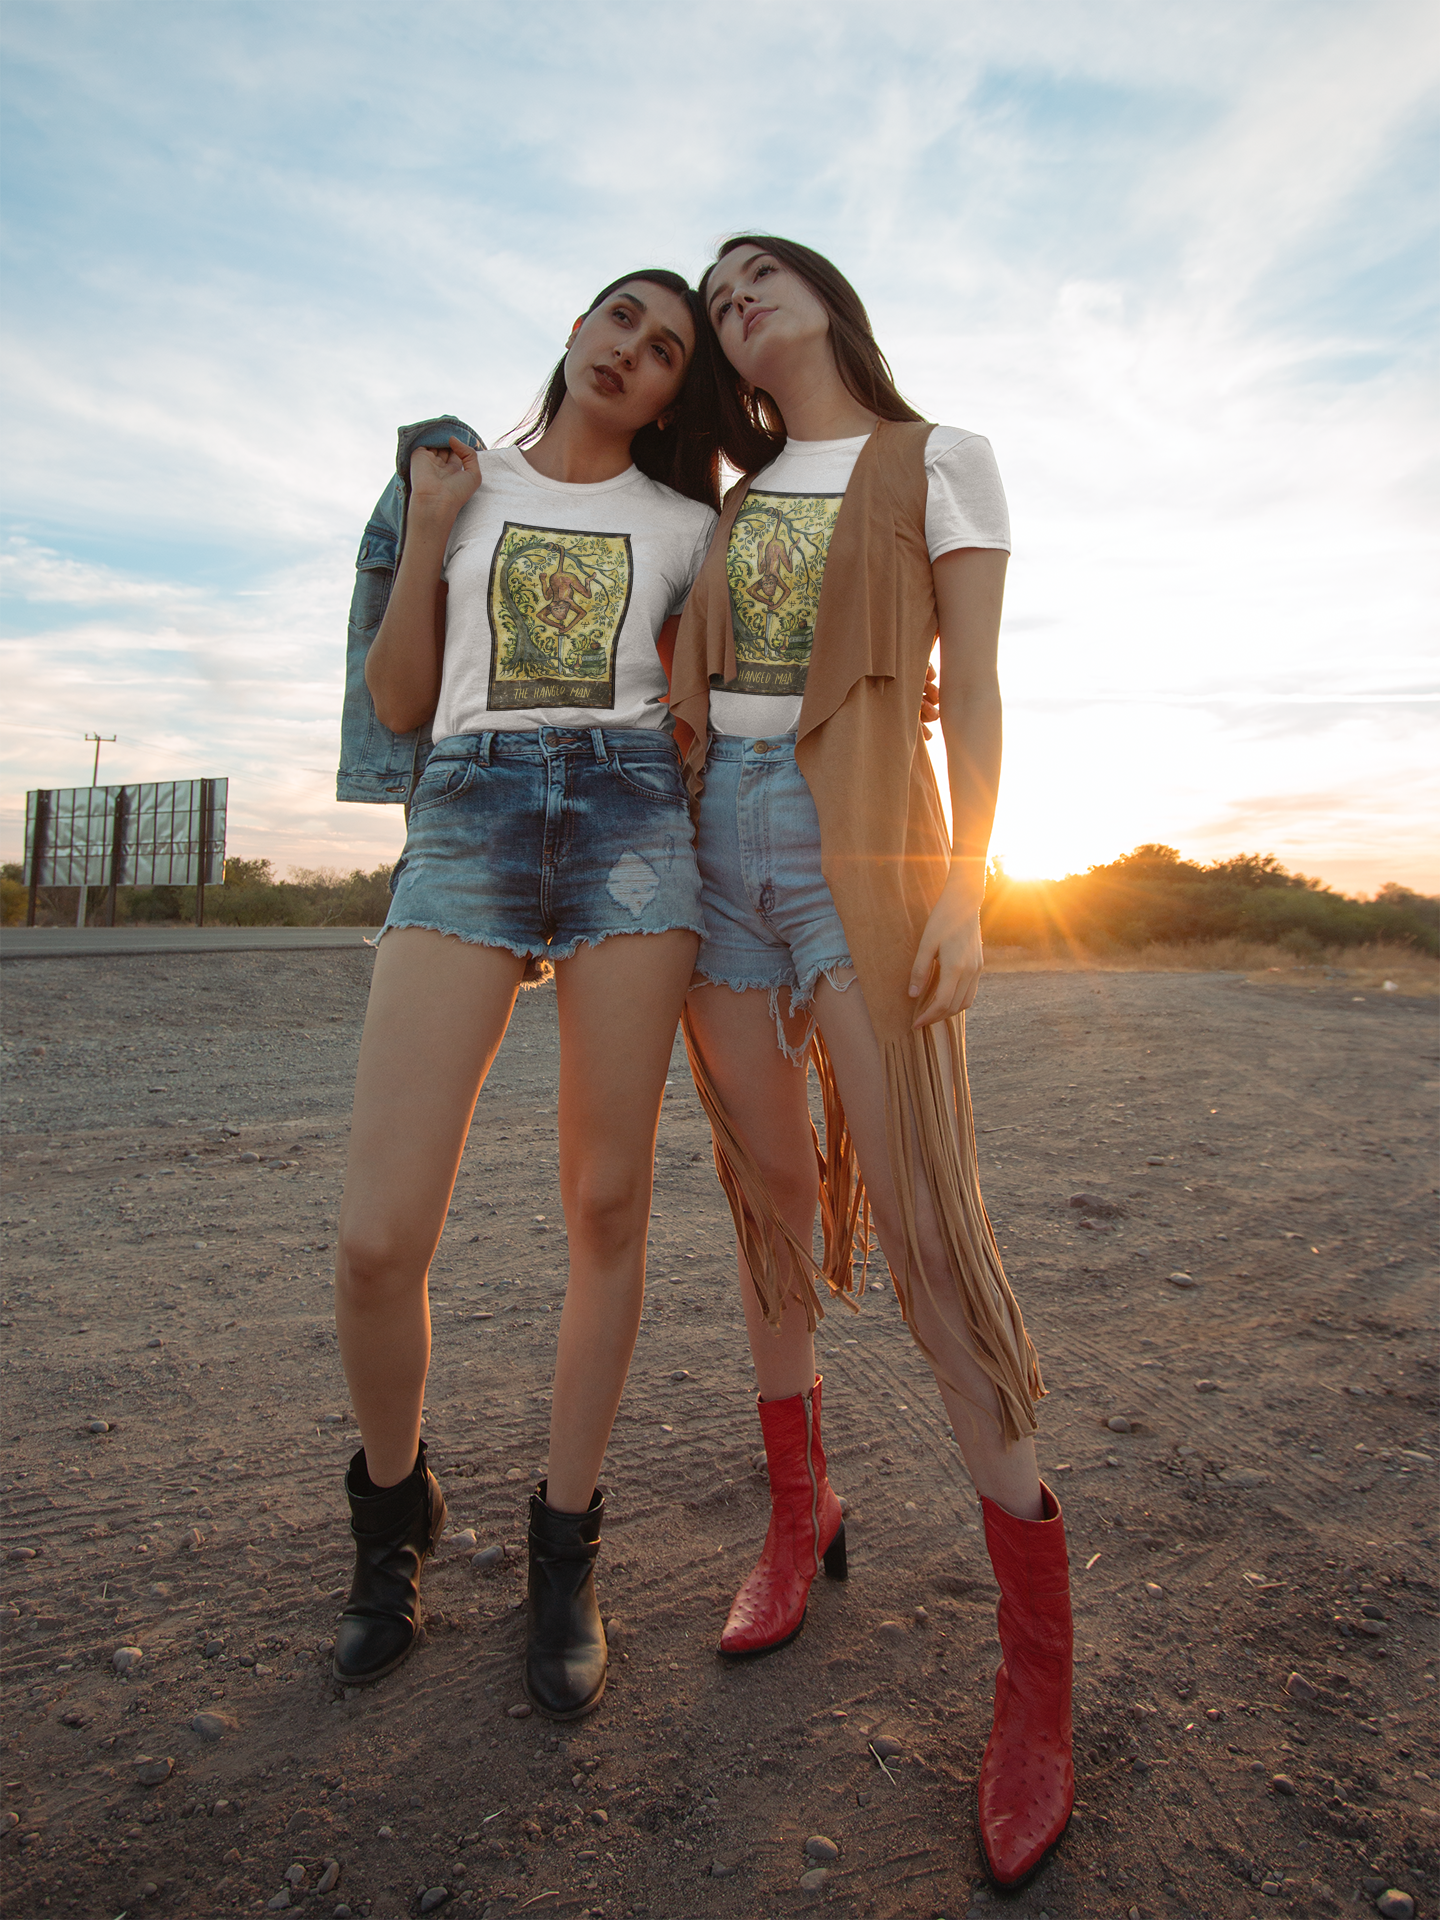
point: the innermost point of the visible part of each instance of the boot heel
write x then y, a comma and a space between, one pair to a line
836, 1565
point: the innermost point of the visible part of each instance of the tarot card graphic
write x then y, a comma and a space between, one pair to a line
775, 565
557, 603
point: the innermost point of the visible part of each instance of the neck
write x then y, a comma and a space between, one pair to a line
814, 401
579, 450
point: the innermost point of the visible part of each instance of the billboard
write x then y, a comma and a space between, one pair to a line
154, 833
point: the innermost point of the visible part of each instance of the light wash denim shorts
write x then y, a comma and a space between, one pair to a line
542, 842
770, 920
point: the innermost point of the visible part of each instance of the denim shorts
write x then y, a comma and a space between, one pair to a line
770, 920
542, 842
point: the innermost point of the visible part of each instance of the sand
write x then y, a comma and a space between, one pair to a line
1272, 1141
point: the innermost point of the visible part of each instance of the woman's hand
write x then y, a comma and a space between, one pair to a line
442, 479
929, 701
946, 973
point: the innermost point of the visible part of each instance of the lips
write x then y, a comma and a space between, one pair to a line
752, 316
608, 380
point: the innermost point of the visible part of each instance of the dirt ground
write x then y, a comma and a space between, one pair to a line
175, 1431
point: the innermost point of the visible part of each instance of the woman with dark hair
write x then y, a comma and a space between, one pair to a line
860, 532
548, 828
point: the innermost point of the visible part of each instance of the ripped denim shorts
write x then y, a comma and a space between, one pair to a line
770, 920
548, 840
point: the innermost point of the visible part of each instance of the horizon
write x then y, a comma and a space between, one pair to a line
1178, 268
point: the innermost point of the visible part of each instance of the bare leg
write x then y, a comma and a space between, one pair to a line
1005, 1473
437, 1013
619, 1008
764, 1094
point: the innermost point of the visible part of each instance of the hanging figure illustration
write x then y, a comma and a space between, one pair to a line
776, 559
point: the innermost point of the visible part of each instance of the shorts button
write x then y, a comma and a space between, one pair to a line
761, 746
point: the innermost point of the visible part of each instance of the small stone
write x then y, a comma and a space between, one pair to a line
295, 1874
1214, 1713
1111, 1460
1244, 1477
462, 1542
921, 1616
1207, 1386
432, 1898
1282, 1783
1181, 1279
814, 1880
891, 1633
126, 1659
72, 1719
386, 1833
97, 1426
723, 1865
599, 1817
682, 1373
1372, 1612
487, 1559
152, 1772
1372, 1885
1118, 1424
148, 1889
329, 1879
21, 1553
819, 1849
9, 1820
249, 1159
1155, 1160
1372, 1629
886, 1746
212, 1649
1154, 1590
1299, 1688
522, 1712
210, 1726
1395, 1905
342, 1912
280, 1902
155, 1342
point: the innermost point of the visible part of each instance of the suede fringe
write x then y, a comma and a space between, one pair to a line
930, 1130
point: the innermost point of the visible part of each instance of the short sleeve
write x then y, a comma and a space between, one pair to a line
965, 502
697, 559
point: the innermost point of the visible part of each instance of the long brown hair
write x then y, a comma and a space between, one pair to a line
751, 425
685, 454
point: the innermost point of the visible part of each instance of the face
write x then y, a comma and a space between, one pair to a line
627, 360
763, 313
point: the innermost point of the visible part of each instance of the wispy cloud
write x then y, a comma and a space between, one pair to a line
1170, 259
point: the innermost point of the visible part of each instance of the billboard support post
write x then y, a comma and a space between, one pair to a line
207, 807
117, 852
37, 849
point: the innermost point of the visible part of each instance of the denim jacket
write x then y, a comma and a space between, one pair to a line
375, 764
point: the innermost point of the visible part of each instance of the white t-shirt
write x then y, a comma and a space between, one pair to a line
557, 594
778, 548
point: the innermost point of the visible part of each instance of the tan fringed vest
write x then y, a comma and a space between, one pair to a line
885, 854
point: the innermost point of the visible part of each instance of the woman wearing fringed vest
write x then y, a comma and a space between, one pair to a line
842, 929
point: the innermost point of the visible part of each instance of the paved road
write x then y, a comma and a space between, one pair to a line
68, 943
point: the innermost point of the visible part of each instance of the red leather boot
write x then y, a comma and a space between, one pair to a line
1027, 1779
806, 1531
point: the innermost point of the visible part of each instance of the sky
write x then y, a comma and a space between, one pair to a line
1176, 260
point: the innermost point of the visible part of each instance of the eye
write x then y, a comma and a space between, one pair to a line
767, 266
621, 313
663, 351
721, 311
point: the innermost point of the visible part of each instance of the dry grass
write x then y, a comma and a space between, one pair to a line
1358, 969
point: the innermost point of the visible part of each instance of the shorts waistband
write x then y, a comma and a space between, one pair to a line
545, 743
734, 746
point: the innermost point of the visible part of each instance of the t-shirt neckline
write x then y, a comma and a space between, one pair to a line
519, 465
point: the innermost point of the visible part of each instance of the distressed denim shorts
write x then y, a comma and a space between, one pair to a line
545, 841
770, 920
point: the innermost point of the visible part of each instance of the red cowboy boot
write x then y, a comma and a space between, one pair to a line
806, 1531
1027, 1780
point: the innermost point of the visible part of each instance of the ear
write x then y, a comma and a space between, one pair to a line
574, 330
662, 421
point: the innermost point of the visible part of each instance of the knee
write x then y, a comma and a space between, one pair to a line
607, 1212
373, 1262
792, 1182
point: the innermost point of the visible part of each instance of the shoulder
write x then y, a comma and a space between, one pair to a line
957, 447
676, 511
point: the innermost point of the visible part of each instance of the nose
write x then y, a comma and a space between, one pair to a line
625, 353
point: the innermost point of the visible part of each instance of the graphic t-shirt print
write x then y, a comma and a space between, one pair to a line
557, 602
775, 564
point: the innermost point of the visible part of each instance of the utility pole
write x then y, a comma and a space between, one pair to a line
98, 738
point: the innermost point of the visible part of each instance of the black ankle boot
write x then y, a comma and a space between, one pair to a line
394, 1528
565, 1654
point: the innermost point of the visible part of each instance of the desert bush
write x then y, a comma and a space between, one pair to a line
1151, 897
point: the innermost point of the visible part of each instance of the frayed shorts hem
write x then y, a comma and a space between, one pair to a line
840, 972
539, 958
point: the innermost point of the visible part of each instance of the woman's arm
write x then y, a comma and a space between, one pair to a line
402, 668
969, 594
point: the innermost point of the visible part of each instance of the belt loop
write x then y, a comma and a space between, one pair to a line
597, 741
486, 741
